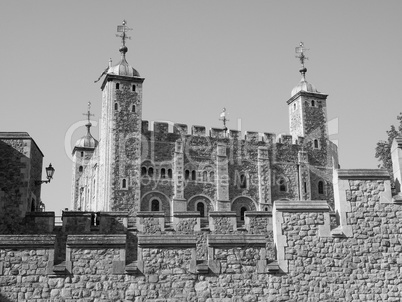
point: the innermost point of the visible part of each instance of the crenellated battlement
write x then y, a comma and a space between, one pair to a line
157, 128
298, 239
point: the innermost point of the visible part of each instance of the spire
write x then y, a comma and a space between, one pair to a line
123, 29
224, 119
300, 55
88, 114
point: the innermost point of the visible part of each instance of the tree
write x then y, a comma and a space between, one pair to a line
383, 149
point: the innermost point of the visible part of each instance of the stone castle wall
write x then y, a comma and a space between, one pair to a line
296, 253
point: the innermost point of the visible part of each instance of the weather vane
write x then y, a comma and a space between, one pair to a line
224, 119
88, 114
123, 29
300, 53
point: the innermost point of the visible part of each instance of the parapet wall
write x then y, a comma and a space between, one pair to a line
294, 253
183, 130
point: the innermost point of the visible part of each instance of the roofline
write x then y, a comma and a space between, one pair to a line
19, 135
110, 77
308, 94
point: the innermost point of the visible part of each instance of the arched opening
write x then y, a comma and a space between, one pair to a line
212, 177
155, 205
82, 153
312, 103
204, 176
133, 88
163, 173
124, 183
80, 169
187, 174
282, 185
116, 106
133, 108
170, 174
316, 144
151, 172
320, 187
143, 171
117, 86
243, 181
242, 211
266, 209
201, 208
193, 175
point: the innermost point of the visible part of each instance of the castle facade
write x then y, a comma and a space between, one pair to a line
170, 168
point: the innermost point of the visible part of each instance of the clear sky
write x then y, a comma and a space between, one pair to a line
197, 57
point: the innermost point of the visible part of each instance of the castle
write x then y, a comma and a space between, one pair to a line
170, 216
135, 169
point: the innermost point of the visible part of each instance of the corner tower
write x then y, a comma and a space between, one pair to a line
82, 154
120, 135
308, 119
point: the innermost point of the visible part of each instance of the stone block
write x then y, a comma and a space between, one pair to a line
198, 130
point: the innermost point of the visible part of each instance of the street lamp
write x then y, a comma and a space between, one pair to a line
49, 175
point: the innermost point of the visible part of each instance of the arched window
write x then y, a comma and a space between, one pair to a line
170, 174
150, 172
305, 187
212, 177
193, 175
320, 187
282, 185
117, 86
243, 181
163, 173
316, 145
201, 208
266, 209
187, 174
116, 106
242, 211
312, 103
204, 176
133, 108
80, 169
124, 183
82, 153
155, 205
133, 88
143, 171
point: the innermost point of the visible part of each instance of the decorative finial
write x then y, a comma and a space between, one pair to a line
224, 119
89, 114
123, 29
300, 55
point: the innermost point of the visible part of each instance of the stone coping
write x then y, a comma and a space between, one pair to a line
150, 214
167, 241
235, 240
119, 214
40, 214
189, 214
29, 241
301, 206
76, 214
257, 213
222, 213
369, 174
96, 240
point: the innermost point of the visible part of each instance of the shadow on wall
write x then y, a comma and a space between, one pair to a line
11, 163
4, 298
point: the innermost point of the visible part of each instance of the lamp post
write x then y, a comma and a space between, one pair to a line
49, 175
